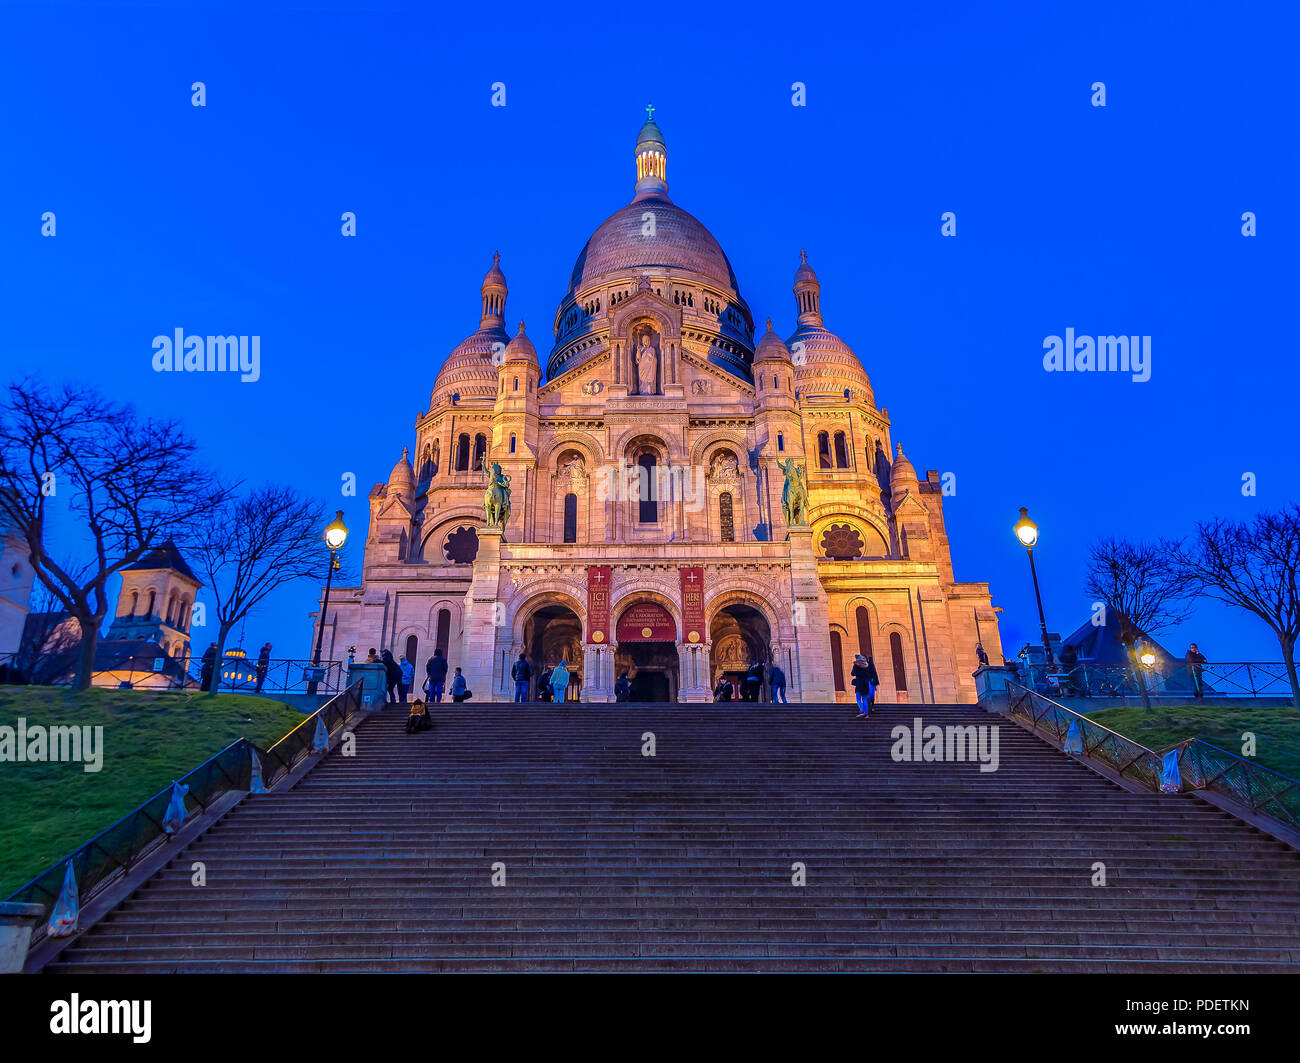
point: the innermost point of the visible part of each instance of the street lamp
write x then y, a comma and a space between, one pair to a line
336, 534
1027, 532
1148, 658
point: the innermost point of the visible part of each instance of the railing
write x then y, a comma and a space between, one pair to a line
1220, 681
239, 675
1201, 765
113, 853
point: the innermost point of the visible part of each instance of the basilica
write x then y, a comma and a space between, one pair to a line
676, 494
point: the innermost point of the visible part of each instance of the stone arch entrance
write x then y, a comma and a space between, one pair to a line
646, 649
553, 632
740, 635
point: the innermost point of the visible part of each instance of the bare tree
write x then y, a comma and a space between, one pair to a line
1253, 567
252, 546
128, 483
1142, 587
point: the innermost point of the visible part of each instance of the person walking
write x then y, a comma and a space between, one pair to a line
1195, 662
436, 676
263, 663
459, 691
404, 684
209, 663
776, 677
521, 673
864, 684
544, 685
560, 681
392, 675
623, 688
753, 681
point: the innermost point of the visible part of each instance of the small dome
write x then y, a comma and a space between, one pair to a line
520, 349
804, 274
902, 474
402, 478
494, 276
770, 348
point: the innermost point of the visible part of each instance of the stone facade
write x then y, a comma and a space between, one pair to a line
653, 446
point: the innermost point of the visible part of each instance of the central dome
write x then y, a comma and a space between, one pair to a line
680, 243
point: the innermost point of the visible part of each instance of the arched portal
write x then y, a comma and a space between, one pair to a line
553, 634
741, 636
646, 651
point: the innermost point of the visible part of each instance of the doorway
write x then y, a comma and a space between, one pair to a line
652, 668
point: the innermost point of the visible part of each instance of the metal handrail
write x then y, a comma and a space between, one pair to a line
1167, 679
283, 675
114, 852
1201, 764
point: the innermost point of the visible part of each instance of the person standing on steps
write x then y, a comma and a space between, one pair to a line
753, 681
459, 691
776, 678
1195, 662
392, 675
408, 677
521, 673
436, 671
560, 681
544, 684
623, 688
864, 684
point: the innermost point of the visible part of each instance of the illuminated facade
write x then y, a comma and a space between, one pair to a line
646, 532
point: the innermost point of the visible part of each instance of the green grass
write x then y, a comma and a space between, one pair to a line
150, 738
1276, 729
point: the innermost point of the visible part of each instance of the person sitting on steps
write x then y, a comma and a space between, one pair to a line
419, 719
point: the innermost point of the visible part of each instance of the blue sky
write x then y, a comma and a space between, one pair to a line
1124, 219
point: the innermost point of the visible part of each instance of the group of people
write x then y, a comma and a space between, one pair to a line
552, 683
750, 686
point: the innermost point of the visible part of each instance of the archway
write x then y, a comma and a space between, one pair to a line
741, 636
552, 634
646, 651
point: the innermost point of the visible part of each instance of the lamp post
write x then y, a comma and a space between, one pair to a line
1027, 532
336, 534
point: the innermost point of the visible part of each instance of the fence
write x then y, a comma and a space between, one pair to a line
113, 853
239, 675
1201, 765
1171, 679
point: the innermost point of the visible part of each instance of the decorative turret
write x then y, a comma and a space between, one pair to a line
402, 478
494, 295
807, 292
771, 348
651, 160
514, 431
520, 349
902, 479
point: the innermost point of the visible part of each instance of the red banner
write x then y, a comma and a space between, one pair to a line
646, 622
693, 604
598, 604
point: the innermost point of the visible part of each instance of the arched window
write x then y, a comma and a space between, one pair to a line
841, 451
649, 505
726, 518
462, 452
443, 637
437, 456
480, 448
823, 450
570, 518
780, 441
516, 387
412, 644
135, 602
426, 463
512, 443
896, 652
837, 659
153, 597
864, 631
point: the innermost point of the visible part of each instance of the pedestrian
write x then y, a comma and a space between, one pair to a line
392, 675
623, 688
776, 677
521, 673
981, 656
753, 681
544, 684
419, 719
1195, 661
263, 663
722, 692
864, 683
436, 676
560, 681
372, 657
209, 659
408, 677
459, 691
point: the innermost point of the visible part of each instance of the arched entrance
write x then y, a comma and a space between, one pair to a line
647, 651
740, 635
551, 634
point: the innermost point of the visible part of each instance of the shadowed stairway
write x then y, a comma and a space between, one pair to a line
620, 862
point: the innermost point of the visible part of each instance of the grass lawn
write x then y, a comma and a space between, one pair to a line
150, 738
1276, 729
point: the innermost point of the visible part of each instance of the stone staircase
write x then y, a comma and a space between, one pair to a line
619, 862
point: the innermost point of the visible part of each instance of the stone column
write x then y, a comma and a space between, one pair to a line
692, 672
484, 614
597, 673
815, 680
